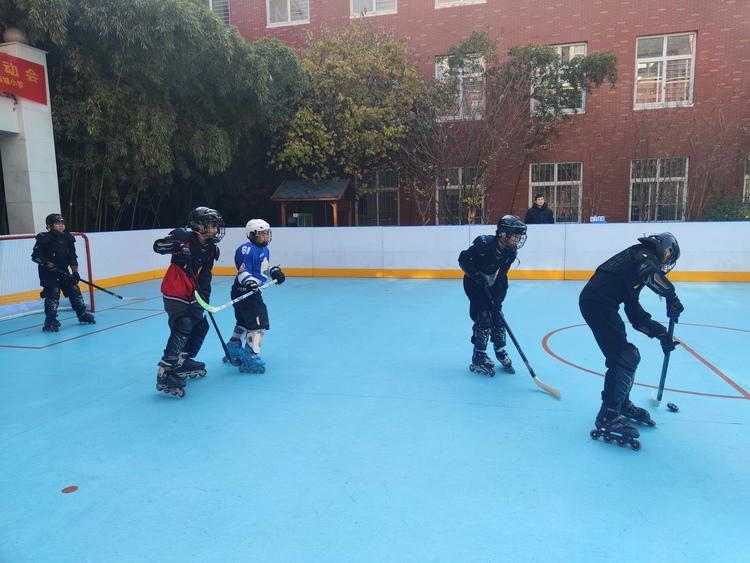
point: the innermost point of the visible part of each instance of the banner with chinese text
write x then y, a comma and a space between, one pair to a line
23, 78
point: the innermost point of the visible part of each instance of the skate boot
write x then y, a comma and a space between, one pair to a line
504, 360
187, 367
481, 363
251, 362
167, 380
87, 319
629, 410
611, 426
235, 354
51, 325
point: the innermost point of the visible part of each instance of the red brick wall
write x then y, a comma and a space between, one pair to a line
610, 133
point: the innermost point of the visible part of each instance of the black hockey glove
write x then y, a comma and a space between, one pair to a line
251, 285
182, 258
76, 277
667, 344
674, 308
657, 330
277, 274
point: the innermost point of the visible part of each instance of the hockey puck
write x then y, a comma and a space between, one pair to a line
673, 407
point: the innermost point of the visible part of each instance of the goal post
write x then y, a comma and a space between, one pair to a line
19, 277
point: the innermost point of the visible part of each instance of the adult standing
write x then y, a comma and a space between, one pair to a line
539, 212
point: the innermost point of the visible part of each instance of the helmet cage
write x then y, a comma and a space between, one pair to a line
666, 248
255, 226
202, 217
512, 225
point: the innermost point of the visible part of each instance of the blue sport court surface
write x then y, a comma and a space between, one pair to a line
368, 438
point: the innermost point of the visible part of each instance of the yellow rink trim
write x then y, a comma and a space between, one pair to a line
675, 276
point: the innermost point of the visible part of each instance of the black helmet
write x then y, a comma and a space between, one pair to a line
512, 225
53, 218
202, 217
666, 248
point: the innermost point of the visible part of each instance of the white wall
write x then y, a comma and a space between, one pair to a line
720, 247
710, 251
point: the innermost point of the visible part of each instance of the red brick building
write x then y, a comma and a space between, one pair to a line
674, 130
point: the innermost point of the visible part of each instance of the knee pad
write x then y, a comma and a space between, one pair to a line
76, 299
481, 336
625, 373
498, 336
254, 340
197, 336
50, 307
181, 329
51, 292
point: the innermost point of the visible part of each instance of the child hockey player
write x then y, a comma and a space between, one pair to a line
194, 252
252, 261
618, 281
54, 251
485, 265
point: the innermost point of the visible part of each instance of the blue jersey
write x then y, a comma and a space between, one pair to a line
252, 262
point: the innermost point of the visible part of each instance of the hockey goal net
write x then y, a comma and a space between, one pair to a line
19, 282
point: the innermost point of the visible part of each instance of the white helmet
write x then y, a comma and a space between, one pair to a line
255, 226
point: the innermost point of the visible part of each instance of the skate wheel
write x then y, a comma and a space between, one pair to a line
202, 374
173, 391
180, 392
608, 439
594, 434
192, 375
622, 443
636, 445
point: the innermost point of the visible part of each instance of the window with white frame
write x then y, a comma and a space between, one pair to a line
448, 3
665, 65
658, 189
561, 184
467, 92
453, 187
373, 7
567, 53
221, 9
286, 12
380, 208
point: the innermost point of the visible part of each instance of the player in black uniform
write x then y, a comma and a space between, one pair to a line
485, 265
193, 253
55, 251
618, 281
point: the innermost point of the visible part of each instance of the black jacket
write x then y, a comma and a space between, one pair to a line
536, 215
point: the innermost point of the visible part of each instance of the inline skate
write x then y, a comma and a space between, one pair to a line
187, 367
612, 427
629, 410
481, 363
167, 380
504, 360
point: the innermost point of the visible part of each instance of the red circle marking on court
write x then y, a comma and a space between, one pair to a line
71, 489
743, 394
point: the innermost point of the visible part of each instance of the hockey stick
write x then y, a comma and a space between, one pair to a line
211, 309
87, 282
234, 361
657, 399
551, 390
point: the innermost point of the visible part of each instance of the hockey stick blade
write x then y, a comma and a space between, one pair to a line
551, 390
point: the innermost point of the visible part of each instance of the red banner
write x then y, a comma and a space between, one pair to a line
23, 78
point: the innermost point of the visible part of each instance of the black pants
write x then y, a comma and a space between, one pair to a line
609, 331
